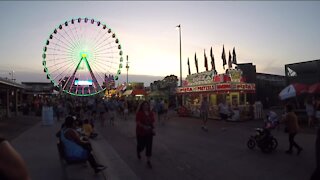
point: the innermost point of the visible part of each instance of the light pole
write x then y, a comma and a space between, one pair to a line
12, 74
179, 26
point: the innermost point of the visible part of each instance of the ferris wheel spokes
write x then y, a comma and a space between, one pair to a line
74, 74
96, 86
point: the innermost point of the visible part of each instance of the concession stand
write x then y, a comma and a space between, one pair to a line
216, 88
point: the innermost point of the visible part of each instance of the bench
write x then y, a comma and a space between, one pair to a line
76, 169
63, 158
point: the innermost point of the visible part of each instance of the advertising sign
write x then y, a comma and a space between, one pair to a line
218, 88
235, 75
200, 78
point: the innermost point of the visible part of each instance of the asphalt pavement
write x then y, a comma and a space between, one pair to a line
181, 150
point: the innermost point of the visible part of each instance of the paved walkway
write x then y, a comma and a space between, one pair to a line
181, 150
37, 146
114, 148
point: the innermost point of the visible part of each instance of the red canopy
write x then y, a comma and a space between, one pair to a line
138, 92
314, 88
300, 88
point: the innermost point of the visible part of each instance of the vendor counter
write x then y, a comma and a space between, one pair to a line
240, 113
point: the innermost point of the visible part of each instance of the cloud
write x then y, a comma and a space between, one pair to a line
272, 70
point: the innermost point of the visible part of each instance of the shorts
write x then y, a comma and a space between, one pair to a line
223, 116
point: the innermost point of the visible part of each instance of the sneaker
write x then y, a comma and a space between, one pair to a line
99, 165
289, 152
99, 168
299, 151
149, 164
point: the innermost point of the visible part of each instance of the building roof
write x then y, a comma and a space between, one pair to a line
274, 75
305, 67
11, 83
30, 83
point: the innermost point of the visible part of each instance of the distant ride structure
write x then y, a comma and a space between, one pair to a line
81, 55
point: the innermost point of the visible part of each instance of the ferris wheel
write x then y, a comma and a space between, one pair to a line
82, 57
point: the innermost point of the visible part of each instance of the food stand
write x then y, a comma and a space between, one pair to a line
230, 87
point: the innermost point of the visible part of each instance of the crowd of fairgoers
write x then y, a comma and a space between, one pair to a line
94, 107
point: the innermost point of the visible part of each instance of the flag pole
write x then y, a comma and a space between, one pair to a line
179, 26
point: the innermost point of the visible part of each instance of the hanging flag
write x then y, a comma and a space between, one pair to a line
189, 67
234, 56
205, 61
223, 57
212, 60
229, 61
196, 62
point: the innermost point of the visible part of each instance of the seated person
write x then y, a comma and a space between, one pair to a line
76, 149
88, 129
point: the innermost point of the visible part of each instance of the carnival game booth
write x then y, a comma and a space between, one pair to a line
230, 87
133, 91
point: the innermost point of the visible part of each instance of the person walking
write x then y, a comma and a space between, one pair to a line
291, 121
316, 173
112, 111
204, 111
159, 110
165, 109
310, 112
125, 110
223, 110
317, 111
145, 130
101, 113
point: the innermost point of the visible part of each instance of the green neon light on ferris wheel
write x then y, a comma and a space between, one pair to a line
78, 49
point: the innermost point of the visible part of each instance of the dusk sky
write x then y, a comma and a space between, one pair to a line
269, 34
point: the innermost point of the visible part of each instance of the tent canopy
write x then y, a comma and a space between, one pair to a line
134, 92
293, 90
314, 88
127, 92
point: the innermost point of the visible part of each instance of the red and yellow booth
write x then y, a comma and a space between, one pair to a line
230, 87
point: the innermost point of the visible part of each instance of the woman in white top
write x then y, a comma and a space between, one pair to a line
223, 110
310, 112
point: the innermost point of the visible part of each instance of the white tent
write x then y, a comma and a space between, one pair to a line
127, 93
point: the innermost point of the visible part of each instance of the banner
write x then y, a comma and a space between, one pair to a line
200, 78
220, 87
235, 75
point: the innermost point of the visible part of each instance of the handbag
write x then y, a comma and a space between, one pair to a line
151, 132
286, 130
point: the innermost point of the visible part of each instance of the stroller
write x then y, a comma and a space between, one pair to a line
263, 137
272, 120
